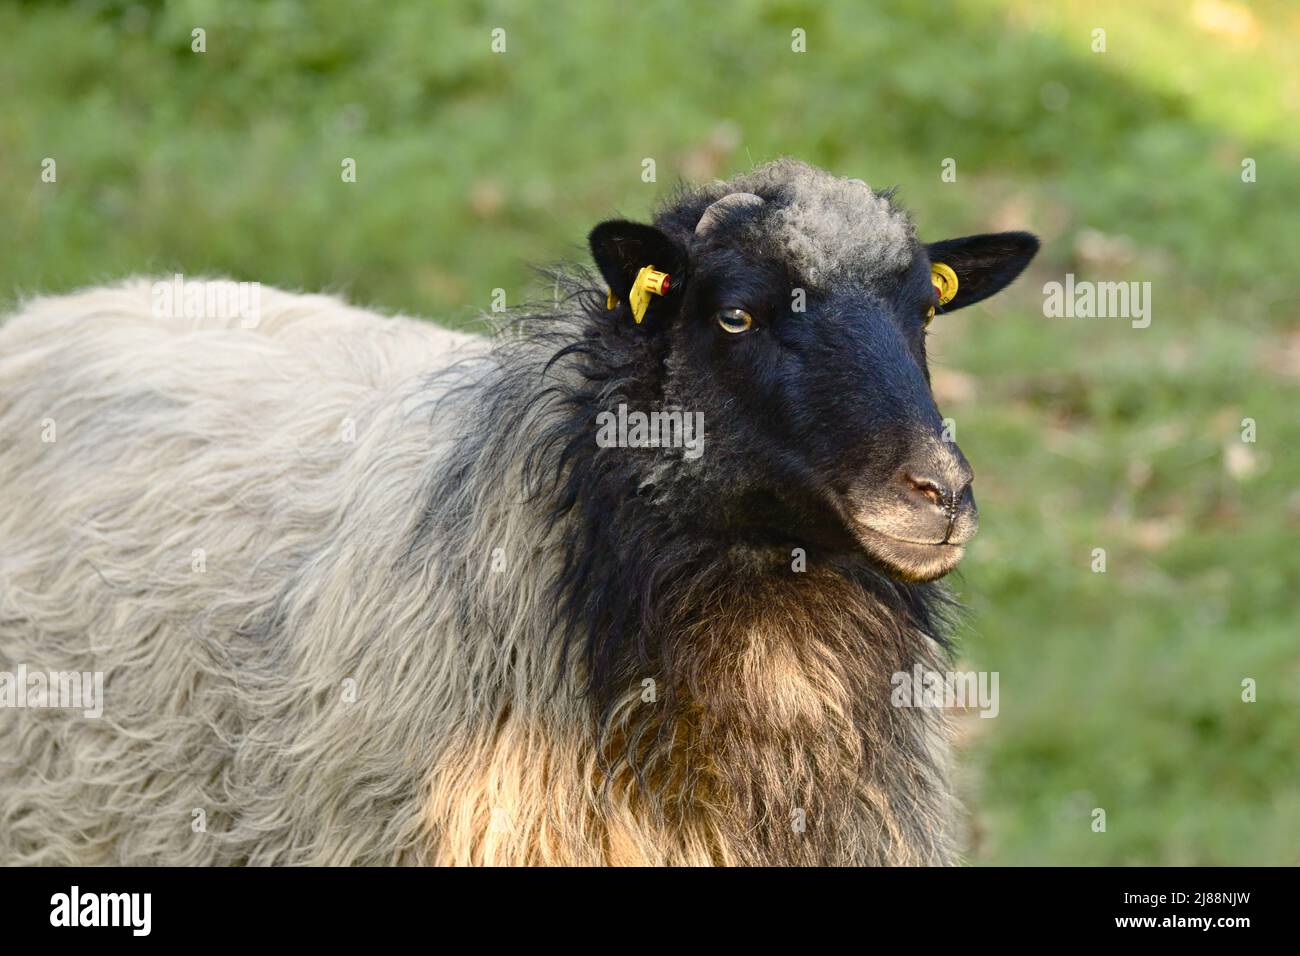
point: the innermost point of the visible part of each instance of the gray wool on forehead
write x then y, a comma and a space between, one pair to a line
828, 226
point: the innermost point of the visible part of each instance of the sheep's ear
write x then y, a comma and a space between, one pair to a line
984, 264
621, 249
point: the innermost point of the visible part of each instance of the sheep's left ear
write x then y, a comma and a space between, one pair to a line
621, 249
984, 264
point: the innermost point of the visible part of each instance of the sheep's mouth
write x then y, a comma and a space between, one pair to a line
912, 561
837, 523
910, 541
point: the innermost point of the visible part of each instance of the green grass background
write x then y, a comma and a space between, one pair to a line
1119, 690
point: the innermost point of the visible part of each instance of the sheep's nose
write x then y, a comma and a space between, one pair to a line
946, 492
939, 487
937, 472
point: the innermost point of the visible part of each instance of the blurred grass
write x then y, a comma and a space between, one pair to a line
1118, 690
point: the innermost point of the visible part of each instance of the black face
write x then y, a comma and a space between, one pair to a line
820, 428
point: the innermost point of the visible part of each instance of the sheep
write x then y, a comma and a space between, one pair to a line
366, 591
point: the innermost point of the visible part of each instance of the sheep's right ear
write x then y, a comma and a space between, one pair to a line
621, 249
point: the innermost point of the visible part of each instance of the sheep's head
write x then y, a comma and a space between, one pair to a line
795, 321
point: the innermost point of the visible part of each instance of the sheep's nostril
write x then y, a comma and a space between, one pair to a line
930, 489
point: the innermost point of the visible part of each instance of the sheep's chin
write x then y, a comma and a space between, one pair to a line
908, 561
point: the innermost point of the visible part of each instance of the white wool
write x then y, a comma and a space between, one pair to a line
166, 481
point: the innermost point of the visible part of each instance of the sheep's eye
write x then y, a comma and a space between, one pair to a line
929, 315
734, 321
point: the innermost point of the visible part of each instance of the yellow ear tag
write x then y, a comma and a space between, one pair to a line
945, 281
649, 281
611, 300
